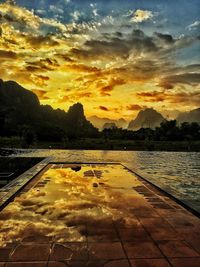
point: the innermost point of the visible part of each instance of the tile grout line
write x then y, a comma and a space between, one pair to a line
165, 257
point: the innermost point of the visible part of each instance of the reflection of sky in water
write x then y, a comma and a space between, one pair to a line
176, 172
64, 201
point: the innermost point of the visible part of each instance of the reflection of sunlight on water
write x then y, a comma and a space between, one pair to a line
64, 202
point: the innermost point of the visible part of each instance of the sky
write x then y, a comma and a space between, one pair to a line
115, 57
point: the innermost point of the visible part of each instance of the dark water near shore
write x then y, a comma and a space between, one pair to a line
176, 172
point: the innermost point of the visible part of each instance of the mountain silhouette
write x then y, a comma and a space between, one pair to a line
100, 122
20, 109
147, 118
109, 125
191, 116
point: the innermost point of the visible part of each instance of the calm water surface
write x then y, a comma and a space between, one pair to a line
176, 172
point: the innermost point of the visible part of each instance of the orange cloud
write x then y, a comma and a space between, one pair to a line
134, 107
105, 91
41, 94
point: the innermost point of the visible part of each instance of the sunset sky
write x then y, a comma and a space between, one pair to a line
115, 57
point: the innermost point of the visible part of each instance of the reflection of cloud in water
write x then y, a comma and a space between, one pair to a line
64, 206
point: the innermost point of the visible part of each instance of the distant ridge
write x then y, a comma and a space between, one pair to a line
100, 122
191, 116
147, 118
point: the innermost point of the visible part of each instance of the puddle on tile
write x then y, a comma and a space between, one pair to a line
68, 200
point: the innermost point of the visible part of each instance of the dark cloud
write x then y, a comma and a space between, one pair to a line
134, 107
81, 68
103, 108
112, 47
105, 91
41, 41
41, 65
188, 98
154, 96
165, 37
186, 78
8, 54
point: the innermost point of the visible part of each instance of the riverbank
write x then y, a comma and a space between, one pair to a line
102, 144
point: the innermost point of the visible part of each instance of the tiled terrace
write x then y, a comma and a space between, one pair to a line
95, 215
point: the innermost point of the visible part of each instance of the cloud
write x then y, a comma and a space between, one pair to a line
193, 26
40, 93
181, 97
80, 68
8, 54
111, 48
76, 15
170, 81
167, 38
134, 107
41, 41
94, 59
105, 91
103, 108
141, 15
56, 9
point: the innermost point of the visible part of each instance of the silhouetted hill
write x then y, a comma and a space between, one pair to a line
148, 118
191, 116
20, 111
109, 125
100, 122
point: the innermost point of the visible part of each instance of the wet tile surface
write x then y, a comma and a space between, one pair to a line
96, 215
142, 249
150, 263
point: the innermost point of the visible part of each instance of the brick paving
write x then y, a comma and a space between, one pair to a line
161, 233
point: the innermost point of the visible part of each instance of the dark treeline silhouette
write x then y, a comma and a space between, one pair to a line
168, 131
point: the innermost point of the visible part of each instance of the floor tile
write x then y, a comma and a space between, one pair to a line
33, 252
150, 263
134, 234
186, 262
164, 233
5, 252
141, 250
107, 251
118, 263
177, 249
99, 263
57, 264
194, 240
101, 234
26, 264
69, 251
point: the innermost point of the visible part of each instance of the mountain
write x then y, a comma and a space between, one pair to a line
147, 118
191, 116
20, 111
109, 125
170, 114
100, 122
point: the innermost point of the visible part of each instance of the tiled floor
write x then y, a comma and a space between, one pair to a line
115, 224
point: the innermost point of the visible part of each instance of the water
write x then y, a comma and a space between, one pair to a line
178, 173
73, 203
